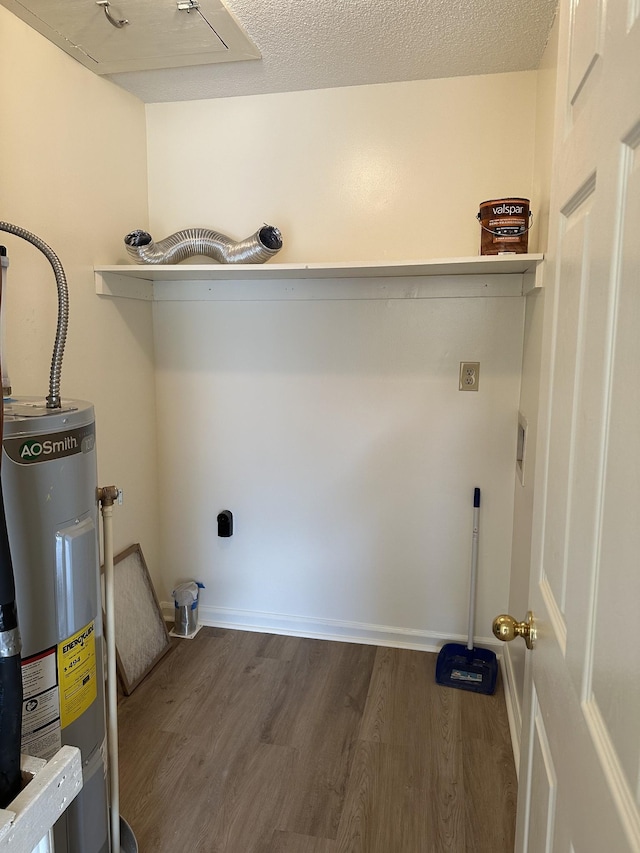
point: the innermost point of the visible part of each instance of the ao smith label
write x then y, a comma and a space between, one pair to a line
56, 445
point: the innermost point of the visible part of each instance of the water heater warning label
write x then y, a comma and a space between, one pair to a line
77, 670
41, 705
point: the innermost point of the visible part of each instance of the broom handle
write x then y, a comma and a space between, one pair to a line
474, 567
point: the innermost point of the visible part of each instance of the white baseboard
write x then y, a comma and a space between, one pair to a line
514, 711
325, 629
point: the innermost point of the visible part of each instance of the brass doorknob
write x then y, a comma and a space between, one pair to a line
506, 628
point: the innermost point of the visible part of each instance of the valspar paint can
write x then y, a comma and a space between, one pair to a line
504, 226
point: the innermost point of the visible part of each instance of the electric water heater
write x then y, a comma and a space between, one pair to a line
49, 479
49, 487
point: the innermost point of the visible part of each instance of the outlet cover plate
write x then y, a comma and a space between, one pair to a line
469, 375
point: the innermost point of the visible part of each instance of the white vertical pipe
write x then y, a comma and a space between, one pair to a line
112, 687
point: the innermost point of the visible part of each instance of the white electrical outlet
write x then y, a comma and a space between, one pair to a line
469, 375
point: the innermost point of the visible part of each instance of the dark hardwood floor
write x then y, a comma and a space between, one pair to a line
240, 742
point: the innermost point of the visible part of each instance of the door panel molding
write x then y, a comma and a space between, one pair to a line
587, 43
625, 801
556, 617
544, 783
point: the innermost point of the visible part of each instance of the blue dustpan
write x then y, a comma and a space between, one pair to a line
468, 667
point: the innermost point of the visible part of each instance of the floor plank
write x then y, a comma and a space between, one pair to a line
488, 772
328, 682
408, 789
292, 842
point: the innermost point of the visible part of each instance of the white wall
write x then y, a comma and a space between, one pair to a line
336, 434
335, 430
73, 171
393, 171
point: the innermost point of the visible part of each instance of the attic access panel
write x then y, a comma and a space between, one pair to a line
157, 35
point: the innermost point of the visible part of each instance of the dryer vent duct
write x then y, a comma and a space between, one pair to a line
257, 249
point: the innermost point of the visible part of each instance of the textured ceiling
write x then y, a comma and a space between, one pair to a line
317, 44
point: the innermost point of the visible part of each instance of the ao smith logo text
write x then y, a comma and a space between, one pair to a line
35, 449
57, 445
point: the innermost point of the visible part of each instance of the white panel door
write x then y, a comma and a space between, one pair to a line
580, 761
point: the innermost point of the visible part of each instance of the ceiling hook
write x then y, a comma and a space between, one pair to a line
116, 22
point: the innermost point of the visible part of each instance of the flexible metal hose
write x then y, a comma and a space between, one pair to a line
256, 249
53, 400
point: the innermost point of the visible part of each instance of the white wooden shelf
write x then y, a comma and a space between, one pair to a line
487, 275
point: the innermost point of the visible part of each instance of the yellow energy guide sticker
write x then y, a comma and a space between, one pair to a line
77, 674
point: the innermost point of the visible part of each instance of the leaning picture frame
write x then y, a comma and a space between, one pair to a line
141, 635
